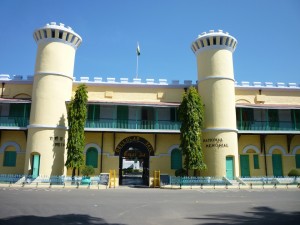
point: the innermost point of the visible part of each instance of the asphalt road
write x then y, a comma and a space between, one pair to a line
141, 206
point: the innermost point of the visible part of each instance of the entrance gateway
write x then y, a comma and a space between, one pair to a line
134, 153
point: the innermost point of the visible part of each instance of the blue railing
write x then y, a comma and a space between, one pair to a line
268, 126
8, 121
133, 124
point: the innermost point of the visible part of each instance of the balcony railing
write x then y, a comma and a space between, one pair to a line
133, 124
8, 121
268, 126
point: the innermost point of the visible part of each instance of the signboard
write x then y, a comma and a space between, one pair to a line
104, 178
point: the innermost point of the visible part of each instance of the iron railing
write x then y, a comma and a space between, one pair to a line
133, 124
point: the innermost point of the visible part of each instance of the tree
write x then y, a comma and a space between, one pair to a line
191, 115
77, 114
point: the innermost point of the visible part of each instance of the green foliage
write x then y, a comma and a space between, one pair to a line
294, 173
191, 115
180, 172
87, 171
77, 114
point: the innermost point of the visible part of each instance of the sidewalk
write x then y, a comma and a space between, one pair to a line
185, 187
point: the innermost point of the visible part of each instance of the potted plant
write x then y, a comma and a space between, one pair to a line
86, 171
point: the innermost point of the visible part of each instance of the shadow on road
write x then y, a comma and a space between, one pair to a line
70, 219
258, 215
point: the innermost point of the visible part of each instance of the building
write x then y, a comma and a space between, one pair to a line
250, 129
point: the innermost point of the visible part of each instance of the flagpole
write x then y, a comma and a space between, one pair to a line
137, 59
137, 65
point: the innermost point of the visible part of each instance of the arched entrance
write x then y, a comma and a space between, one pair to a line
134, 153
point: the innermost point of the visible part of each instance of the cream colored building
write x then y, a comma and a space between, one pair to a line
251, 129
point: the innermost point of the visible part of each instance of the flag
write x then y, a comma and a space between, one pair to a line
138, 52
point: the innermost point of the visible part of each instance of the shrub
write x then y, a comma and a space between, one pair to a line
294, 173
87, 171
180, 172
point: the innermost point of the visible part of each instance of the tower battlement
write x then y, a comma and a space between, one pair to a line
214, 39
58, 32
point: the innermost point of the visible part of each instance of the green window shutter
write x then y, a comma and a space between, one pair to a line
297, 161
256, 161
273, 119
92, 157
16, 110
173, 116
176, 159
122, 112
10, 158
90, 112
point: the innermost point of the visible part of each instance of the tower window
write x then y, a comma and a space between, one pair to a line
208, 41
45, 33
40, 35
36, 37
197, 44
214, 40
234, 45
67, 36
231, 43
72, 39
52, 33
60, 34
226, 42
221, 40
202, 44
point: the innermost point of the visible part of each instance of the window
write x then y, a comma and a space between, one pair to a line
256, 161
176, 159
92, 157
10, 158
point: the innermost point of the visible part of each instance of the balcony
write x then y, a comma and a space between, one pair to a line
268, 126
133, 124
8, 121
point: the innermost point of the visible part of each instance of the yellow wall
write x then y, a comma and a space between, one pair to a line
18, 138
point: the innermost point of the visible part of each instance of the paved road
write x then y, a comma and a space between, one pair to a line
143, 206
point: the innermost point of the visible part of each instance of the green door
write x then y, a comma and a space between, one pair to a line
277, 165
229, 167
35, 165
244, 161
122, 116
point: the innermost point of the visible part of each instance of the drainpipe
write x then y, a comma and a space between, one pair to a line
101, 153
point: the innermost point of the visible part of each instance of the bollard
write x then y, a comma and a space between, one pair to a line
89, 186
298, 185
214, 186
37, 184
226, 186
250, 185
287, 186
50, 186
275, 186
77, 184
239, 185
263, 185
23, 184
10, 184
64, 185
201, 185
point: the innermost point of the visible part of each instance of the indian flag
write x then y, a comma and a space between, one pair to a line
138, 51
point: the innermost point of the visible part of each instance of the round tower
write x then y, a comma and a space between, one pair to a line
52, 87
214, 52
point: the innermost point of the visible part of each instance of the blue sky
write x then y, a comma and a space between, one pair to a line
268, 34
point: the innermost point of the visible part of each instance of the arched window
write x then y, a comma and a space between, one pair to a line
92, 157
176, 159
10, 158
